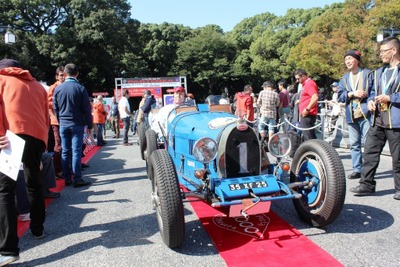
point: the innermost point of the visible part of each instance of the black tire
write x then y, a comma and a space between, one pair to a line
142, 139
321, 204
151, 141
166, 199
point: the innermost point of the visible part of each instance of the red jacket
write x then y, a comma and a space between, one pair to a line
23, 104
244, 103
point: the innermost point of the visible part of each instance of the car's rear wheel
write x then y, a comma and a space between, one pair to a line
142, 139
151, 141
166, 199
318, 162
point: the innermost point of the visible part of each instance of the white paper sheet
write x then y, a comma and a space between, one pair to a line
10, 158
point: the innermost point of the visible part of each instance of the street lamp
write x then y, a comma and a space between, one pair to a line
9, 37
383, 33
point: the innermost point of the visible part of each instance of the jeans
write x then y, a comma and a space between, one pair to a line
374, 144
357, 133
284, 115
266, 123
72, 140
146, 119
100, 129
127, 123
308, 122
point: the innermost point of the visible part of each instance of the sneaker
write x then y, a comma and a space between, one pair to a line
397, 195
81, 183
126, 144
84, 165
68, 182
5, 260
24, 217
36, 236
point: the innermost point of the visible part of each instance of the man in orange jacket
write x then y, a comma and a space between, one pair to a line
99, 118
54, 125
24, 111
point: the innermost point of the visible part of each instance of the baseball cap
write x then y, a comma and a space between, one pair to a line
179, 89
6, 63
334, 84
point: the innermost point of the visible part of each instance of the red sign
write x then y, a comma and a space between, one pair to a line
135, 92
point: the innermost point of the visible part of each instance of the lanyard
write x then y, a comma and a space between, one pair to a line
387, 84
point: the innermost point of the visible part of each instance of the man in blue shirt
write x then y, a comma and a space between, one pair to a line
73, 110
148, 103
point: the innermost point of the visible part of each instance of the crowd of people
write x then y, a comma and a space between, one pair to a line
371, 99
53, 124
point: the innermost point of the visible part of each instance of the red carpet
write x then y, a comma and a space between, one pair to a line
89, 153
263, 240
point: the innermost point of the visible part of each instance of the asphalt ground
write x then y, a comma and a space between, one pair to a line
112, 223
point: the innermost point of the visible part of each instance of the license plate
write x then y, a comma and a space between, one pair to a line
241, 186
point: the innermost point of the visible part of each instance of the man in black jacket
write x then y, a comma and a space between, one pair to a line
73, 110
146, 108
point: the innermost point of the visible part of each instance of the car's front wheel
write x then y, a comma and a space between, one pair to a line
166, 198
317, 162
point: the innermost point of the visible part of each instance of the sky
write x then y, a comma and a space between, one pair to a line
224, 13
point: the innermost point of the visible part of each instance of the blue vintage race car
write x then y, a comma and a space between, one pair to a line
212, 155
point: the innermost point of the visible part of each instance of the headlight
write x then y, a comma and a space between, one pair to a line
205, 150
279, 145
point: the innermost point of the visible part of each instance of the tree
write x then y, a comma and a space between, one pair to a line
205, 58
159, 44
271, 50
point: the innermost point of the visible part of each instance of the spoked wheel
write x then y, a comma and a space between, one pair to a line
142, 139
322, 201
166, 199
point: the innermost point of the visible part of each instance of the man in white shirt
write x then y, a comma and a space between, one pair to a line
125, 114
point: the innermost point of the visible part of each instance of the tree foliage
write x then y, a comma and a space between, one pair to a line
206, 58
105, 42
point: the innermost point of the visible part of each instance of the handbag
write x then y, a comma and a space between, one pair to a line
357, 112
